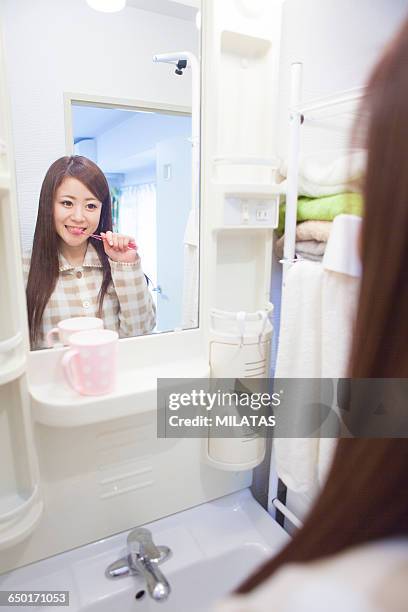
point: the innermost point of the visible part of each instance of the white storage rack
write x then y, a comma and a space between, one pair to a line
299, 114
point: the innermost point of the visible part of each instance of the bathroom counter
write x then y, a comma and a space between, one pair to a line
56, 404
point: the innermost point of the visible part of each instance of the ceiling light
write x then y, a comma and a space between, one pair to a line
107, 6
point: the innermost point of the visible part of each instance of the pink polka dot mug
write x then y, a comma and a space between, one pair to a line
90, 365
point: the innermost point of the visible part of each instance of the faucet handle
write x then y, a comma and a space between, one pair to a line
123, 567
140, 543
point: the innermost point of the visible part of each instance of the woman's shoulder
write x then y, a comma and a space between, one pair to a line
368, 578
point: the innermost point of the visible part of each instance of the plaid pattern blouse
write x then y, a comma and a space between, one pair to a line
128, 306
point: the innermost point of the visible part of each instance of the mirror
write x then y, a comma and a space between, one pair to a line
119, 90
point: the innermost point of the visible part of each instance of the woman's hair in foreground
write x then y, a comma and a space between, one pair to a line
44, 268
365, 497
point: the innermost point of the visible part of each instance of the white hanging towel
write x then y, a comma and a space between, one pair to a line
299, 356
190, 271
318, 308
341, 283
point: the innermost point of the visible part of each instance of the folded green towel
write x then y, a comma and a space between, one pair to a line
324, 209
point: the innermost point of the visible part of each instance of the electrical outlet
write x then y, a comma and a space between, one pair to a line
262, 214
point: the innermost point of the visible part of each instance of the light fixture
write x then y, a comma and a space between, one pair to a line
107, 6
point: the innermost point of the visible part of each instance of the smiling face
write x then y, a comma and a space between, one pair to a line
76, 212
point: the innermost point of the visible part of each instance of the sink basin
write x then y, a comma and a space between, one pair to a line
215, 546
192, 588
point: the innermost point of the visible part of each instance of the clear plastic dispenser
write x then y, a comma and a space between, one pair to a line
20, 501
240, 348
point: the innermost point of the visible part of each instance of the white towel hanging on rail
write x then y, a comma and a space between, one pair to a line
315, 335
299, 357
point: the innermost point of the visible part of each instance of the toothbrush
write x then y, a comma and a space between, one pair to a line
131, 245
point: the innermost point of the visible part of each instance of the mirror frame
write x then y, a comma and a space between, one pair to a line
167, 341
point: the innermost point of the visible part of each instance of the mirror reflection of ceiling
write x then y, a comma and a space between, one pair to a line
92, 123
183, 9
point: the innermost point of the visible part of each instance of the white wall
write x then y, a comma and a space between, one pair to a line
338, 42
147, 174
56, 46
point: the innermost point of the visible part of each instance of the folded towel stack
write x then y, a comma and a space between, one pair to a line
328, 179
329, 172
315, 216
311, 239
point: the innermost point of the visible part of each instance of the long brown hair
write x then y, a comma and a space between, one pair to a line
365, 497
44, 267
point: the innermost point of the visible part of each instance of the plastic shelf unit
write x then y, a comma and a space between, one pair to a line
12, 358
20, 500
21, 504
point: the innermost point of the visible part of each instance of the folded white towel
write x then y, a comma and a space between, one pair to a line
313, 230
329, 172
311, 238
313, 247
307, 249
308, 256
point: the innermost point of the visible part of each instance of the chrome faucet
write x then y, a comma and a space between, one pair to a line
143, 558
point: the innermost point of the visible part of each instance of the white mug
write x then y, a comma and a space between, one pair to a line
67, 327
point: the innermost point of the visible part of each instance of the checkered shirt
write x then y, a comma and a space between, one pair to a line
128, 306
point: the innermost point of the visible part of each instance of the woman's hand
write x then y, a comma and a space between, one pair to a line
116, 247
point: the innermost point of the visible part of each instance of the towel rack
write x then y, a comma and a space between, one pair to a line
287, 513
298, 114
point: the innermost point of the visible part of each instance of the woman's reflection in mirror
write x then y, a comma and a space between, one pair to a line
68, 273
